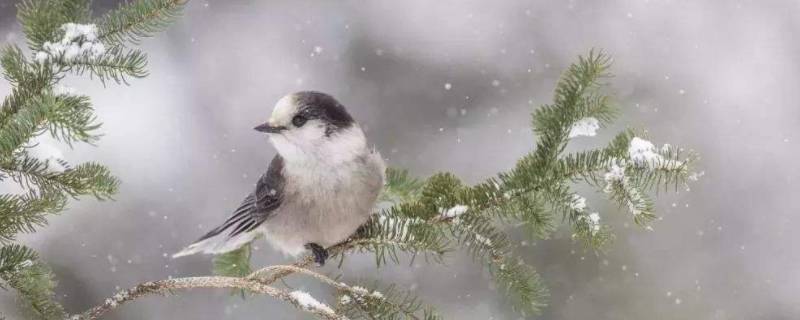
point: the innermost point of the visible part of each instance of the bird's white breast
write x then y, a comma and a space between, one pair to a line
327, 195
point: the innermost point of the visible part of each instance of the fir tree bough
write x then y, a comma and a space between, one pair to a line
63, 38
441, 214
431, 218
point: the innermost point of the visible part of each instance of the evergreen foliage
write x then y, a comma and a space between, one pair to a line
235, 263
21, 270
431, 217
387, 303
441, 214
36, 106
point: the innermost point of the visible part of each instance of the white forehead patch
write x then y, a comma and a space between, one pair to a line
284, 110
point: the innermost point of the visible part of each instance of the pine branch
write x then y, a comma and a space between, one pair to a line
531, 212
25, 124
386, 303
28, 80
73, 120
360, 302
117, 64
523, 285
235, 263
168, 286
428, 217
42, 19
400, 187
84, 179
631, 197
390, 233
32, 108
14, 257
14, 64
131, 22
21, 270
575, 98
591, 233
67, 118
25, 213
260, 281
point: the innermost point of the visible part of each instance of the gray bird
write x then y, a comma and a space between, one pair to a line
320, 187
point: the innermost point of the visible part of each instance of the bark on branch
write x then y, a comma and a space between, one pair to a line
259, 282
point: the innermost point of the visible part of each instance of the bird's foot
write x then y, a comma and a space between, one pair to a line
320, 254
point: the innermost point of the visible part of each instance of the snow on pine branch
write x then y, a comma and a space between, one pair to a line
615, 173
578, 203
585, 127
51, 155
308, 302
426, 215
592, 220
627, 178
644, 153
454, 212
79, 41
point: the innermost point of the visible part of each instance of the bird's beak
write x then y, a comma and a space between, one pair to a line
266, 127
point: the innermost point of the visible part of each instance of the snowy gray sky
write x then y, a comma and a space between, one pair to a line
719, 77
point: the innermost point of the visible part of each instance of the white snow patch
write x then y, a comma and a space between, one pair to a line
578, 203
585, 127
644, 153
455, 211
634, 196
50, 154
405, 223
79, 41
25, 264
360, 290
641, 151
41, 56
696, 175
306, 301
73, 31
594, 222
616, 173
484, 240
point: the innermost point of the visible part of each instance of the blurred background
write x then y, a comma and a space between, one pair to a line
449, 85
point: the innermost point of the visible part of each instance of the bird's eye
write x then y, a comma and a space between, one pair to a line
299, 121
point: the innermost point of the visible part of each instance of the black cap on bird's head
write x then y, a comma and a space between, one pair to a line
307, 108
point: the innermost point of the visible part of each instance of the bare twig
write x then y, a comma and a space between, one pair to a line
259, 281
303, 263
167, 286
361, 295
254, 282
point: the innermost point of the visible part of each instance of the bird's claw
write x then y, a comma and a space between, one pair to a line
320, 254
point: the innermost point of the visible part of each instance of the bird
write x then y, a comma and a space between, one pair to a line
319, 188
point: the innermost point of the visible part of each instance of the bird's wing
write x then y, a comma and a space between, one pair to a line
258, 206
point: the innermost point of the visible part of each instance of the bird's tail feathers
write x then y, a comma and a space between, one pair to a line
218, 243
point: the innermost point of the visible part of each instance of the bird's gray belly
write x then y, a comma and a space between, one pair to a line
325, 216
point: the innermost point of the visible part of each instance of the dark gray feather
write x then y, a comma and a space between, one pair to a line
257, 206
318, 105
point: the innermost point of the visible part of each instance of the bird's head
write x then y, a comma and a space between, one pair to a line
312, 123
